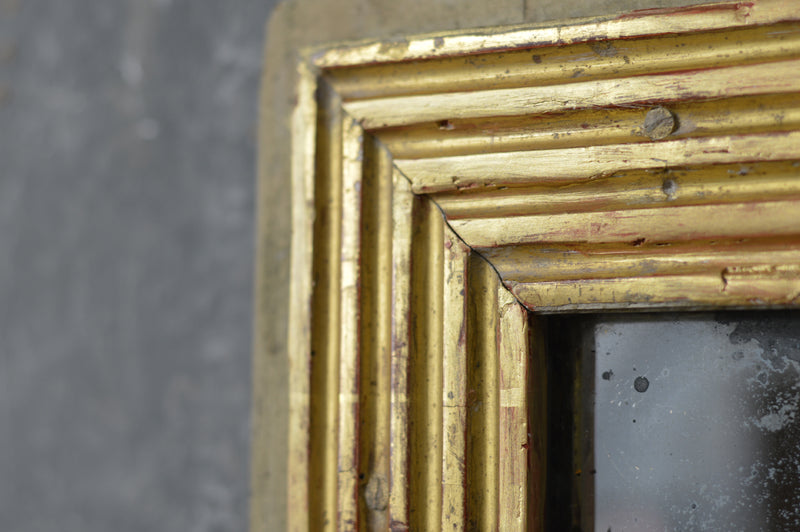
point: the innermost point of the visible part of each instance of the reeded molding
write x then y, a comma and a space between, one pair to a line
449, 188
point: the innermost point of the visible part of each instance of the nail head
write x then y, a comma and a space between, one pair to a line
659, 123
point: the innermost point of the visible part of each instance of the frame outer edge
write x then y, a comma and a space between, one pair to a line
700, 17
302, 170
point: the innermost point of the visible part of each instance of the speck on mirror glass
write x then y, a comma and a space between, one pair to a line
695, 421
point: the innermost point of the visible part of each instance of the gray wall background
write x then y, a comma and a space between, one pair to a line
127, 175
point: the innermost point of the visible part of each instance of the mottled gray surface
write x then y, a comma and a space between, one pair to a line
127, 153
695, 422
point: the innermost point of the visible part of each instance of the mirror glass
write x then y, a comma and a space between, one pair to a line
678, 421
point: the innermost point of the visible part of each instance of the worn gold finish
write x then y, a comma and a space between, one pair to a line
590, 127
439, 174
640, 90
448, 188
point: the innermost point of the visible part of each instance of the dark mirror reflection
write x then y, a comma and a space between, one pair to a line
694, 421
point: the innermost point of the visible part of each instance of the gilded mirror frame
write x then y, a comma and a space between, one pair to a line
447, 188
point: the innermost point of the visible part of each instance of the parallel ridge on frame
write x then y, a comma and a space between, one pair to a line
423, 169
